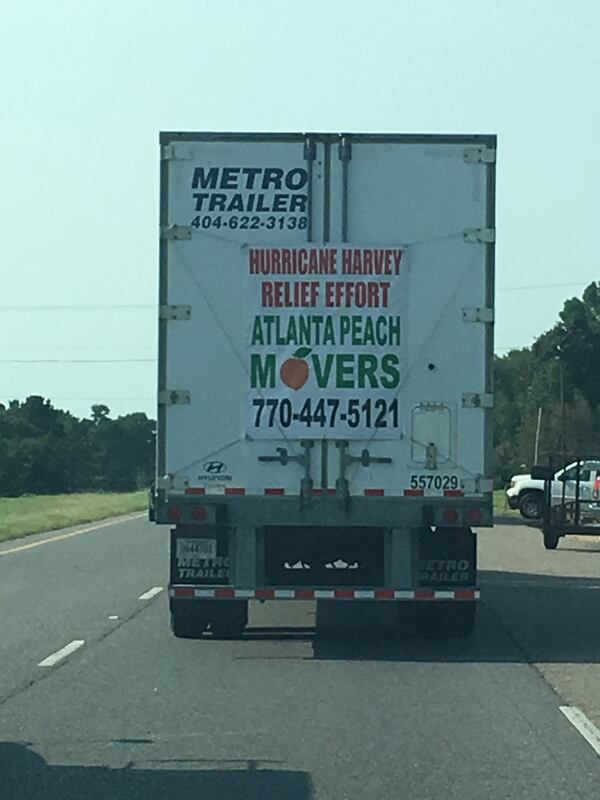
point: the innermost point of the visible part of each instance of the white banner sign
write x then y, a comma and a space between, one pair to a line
324, 342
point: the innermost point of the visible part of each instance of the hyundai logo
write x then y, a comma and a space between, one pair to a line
214, 467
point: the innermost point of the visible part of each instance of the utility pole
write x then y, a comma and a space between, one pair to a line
536, 449
563, 413
563, 417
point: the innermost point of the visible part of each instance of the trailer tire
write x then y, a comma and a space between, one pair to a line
551, 539
187, 620
187, 626
453, 619
229, 619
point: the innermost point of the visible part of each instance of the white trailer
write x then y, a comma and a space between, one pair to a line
325, 371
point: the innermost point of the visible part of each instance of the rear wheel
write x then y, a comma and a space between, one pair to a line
454, 619
551, 539
229, 619
531, 505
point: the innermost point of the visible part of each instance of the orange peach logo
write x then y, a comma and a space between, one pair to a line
294, 371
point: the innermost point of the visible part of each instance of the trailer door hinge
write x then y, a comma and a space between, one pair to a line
175, 312
479, 155
181, 232
172, 483
485, 235
478, 314
176, 151
345, 149
310, 149
174, 397
476, 400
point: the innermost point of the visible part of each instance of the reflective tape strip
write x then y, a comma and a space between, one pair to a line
183, 591
414, 493
225, 592
274, 491
244, 593
195, 490
229, 593
374, 492
205, 593
234, 490
453, 493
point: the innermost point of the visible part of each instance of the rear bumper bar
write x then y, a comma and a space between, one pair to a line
230, 593
386, 512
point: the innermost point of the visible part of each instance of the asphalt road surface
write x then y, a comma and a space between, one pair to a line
99, 700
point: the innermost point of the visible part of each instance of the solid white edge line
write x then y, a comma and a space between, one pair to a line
585, 726
62, 536
151, 593
65, 651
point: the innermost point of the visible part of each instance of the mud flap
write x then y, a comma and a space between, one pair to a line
447, 558
199, 556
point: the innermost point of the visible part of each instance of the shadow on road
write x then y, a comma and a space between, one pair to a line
523, 618
510, 519
25, 775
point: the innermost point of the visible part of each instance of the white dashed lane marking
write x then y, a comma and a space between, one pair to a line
65, 651
151, 593
583, 725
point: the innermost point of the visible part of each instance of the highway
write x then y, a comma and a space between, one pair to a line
99, 700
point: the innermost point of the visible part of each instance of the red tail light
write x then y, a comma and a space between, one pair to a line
450, 515
474, 516
174, 513
199, 513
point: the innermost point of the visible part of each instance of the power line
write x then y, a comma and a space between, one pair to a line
79, 348
540, 286
74, 361
154, 306
81, 307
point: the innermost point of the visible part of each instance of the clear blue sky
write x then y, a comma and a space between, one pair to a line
85, 87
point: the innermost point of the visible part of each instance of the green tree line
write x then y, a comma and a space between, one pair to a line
46, 450
559, 374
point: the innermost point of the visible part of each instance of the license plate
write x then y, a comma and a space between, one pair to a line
196, 548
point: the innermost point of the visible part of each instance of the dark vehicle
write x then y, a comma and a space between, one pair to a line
152, 502
570, 512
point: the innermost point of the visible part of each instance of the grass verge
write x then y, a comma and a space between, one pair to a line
501, 506
22, 516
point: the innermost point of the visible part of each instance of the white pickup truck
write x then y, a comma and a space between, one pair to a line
526, 494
